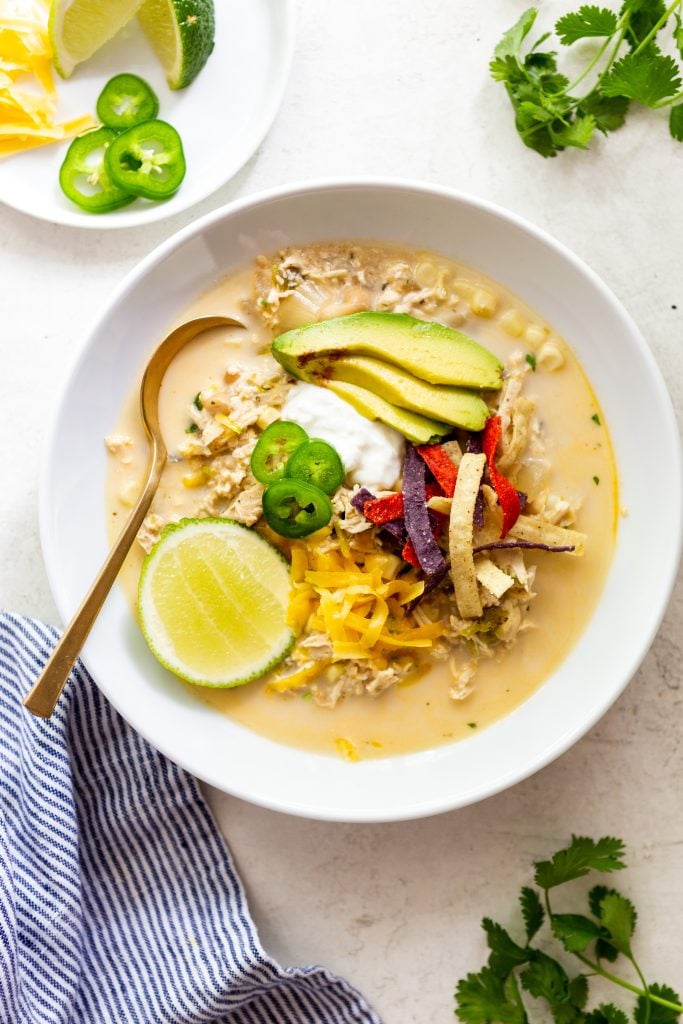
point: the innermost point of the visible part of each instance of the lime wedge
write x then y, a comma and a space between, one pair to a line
213, 602
182, 34
78, 28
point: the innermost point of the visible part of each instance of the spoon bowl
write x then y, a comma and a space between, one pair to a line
45, 692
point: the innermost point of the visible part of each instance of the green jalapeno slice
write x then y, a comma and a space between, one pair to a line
317, 462
126, 100
147, 160
293, 508
274, 447
84, 177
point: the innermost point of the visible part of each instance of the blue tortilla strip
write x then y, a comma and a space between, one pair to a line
474, 444
416, 514
359, 499
500, 545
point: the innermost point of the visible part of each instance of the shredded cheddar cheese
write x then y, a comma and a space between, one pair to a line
356, 598
28, 98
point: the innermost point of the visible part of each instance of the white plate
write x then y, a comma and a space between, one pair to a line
631, 392
222, 116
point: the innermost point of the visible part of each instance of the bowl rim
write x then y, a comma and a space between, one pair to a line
425, 807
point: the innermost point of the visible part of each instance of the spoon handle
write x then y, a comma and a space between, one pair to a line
44, 693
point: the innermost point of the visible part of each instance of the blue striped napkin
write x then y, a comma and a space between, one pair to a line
119, 901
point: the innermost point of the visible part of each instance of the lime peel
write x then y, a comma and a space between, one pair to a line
212, 602
182, 34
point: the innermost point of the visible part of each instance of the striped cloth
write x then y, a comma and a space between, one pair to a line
119, 901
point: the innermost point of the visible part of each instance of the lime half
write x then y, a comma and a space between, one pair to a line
78, 28
213, 602
182, 34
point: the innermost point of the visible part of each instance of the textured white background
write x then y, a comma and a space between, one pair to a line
401, 88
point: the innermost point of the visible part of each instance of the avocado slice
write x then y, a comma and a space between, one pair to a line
416, 428
430, 351
457, 406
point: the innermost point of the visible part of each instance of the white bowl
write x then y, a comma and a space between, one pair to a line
630, 389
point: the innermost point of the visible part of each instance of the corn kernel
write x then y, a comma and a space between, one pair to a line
550, 356
483, 303
426, 274
535, 335
513, 323
195, 479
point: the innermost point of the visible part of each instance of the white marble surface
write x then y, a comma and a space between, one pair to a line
393, 87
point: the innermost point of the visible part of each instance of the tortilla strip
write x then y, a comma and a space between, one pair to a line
492, 577
460, 535
538, 532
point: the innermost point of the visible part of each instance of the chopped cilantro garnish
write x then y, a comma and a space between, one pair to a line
596, 418
471, 725
596, 480
192, 429
197, 402
627, 65
531, 360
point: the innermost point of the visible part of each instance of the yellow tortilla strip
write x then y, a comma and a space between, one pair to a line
460, 534
535, 531
492, 576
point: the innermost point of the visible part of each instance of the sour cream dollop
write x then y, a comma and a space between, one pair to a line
372, 453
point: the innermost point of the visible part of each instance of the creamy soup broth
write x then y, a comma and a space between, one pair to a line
418, 713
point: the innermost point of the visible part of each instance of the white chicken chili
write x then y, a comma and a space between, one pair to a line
471, 535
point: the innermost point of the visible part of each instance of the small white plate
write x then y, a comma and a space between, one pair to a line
565, 292
221, 117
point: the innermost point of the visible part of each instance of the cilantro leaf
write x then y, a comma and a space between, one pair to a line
619, 917
596, 896
565, 1013
589, 20
604, 950
575, 932
606, 1013
505, 953
532, 911
580, 857
578, 991
678, 34
578, 133
643, 77
511, 42
658, 1014
545, 977
482, 998
676, 122
643, 16
609, 111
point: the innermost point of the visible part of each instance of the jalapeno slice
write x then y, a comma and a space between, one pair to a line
147, 160
317, 462
294, 509
84, 178
274, 447
126, 100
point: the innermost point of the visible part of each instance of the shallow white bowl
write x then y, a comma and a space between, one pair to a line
632, 394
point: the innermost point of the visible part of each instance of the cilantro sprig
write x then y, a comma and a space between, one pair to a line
497, 993
552, 113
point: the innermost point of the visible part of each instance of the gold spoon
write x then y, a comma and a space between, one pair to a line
44, 694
